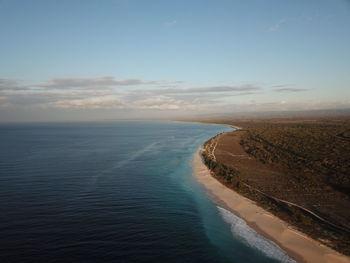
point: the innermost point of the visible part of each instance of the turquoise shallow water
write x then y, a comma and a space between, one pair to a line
115, 192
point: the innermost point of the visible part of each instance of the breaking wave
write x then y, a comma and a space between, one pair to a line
249, 236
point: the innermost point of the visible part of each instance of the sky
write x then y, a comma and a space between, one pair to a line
72, 60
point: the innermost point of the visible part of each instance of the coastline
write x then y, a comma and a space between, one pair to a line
296, 244
210, 123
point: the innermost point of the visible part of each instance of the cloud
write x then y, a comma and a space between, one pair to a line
10, 84
110, 102
282, 105
281, 86
4, 103
100, 92
277, 25
185, 98
88, 103
162, 103
143, 98
201, 90
105, 81
206, 97
171, 23
290, 90
43, 96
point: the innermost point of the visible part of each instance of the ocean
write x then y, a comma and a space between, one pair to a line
115, 192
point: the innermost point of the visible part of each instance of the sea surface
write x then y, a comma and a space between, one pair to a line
115, 192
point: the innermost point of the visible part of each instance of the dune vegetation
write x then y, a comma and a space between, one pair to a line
298, 169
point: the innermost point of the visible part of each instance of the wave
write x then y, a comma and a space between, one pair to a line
249, 236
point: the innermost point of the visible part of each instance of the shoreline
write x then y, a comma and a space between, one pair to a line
209, 123
296, 244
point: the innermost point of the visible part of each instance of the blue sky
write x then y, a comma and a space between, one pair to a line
63, 60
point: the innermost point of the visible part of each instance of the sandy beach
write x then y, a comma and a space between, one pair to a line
296, 244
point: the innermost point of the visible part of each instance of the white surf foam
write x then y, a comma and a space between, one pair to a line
250, 237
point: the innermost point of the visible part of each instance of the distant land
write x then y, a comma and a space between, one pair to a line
322, 113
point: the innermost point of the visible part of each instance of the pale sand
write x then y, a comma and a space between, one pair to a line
294, 243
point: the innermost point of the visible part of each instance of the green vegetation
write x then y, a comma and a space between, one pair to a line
227, 174
307, 177
318, 151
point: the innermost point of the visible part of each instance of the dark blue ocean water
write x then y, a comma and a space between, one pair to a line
114, 192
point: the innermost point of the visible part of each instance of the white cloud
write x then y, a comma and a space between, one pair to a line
285, 105
162, 103
108, 102
277, 25
199, 90
105, 81
171, 23
101, 94
10, 84
88, 103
